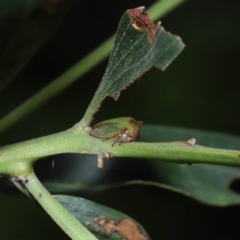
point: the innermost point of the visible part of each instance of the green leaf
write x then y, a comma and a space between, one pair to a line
104, 222
26, 25
209, 184
135, 51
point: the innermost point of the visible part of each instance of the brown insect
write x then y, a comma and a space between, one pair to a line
142, 22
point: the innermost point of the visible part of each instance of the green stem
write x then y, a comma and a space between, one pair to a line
178, 152
74, 73
14, 157
163, 7
70, 225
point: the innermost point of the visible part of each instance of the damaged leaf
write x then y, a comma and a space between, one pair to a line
139, 45
103, 222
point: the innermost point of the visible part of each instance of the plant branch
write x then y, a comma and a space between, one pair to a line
162, 7
69, 224
16, 155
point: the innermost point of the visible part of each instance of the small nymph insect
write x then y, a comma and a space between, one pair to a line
120, 130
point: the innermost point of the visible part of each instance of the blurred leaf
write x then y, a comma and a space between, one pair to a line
104, 222
25, 27
207, 183
158, 133
139, 45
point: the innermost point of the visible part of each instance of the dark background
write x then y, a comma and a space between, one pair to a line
199, 90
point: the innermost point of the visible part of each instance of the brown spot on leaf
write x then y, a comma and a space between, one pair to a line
40, 195
126, 228
141, 22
